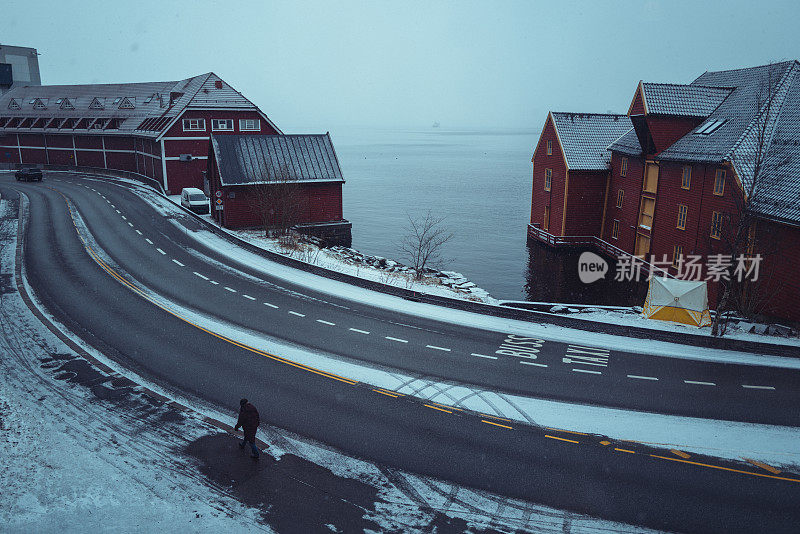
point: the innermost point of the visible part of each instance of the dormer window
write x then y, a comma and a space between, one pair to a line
39, 104
710, 127
127, 103
66, 104
96, 104
13, 104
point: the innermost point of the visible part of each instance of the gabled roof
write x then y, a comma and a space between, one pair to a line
740, 116
683, 100
254, 159
585, 136
132, 104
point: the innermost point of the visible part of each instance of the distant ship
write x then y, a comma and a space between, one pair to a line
435, 124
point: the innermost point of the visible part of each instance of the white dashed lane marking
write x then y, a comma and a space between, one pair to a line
270, 305
390, 338
179, 263
230, 289
748, 386
533, 363
213, 282
148, 240
642, 377
124, 218
297, 314
249, 297
434, 347
130, 224
326, 322
698, 383
139, 232
587, 371
358, 331
161, 251
484, 356
117, 211
200, 275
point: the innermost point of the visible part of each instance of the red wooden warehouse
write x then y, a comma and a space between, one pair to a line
158, 130
246, 172
675, 177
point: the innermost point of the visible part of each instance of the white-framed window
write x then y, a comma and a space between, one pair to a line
194, 125
549, 147
221, 124
250, 125
615, 230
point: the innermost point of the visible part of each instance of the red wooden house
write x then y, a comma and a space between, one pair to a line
679, 174
242, 169
158, 130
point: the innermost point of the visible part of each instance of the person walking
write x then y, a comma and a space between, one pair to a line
248, 421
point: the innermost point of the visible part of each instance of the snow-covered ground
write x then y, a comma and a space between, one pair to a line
348, 261
82, 451
738, 329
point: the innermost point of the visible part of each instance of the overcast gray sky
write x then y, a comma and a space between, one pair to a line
323, 64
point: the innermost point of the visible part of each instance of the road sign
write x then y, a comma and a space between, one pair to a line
218, 204
218, 193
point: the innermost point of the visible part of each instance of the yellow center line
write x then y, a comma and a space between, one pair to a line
567, 431
435, 408
390, 392
495, 424
448, 407
680, 453
562, 439
726, 469
624, 450
384, 393
764, 466
495, 417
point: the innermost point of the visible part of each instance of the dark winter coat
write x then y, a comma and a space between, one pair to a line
249, 421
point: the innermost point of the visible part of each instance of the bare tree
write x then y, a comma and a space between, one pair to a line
423, 241
737, 230
277, 201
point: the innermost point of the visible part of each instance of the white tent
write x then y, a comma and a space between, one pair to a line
681, 301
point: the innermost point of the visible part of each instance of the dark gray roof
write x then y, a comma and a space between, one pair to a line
251, 159
683, 100
149, 115
585, 136
745, 113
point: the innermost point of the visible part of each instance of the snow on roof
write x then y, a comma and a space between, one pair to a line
144, 108
683, 100
736, 123
585, 136
252, 159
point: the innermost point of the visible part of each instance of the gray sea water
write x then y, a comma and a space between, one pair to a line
479, 180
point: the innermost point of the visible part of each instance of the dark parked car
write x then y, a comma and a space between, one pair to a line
29, 174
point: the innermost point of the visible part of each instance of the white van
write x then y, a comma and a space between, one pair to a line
195, 200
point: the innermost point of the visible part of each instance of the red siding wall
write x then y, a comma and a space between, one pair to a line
666, 130
780, 246
182, 174
585, 202
628, 215
318, 203
555, 197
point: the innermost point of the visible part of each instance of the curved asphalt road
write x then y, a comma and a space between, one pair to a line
575, 472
